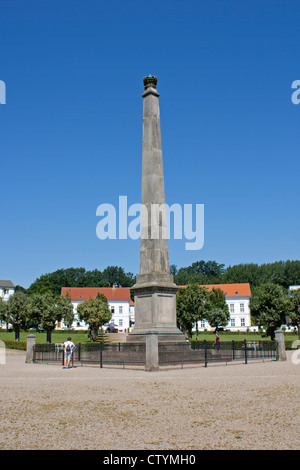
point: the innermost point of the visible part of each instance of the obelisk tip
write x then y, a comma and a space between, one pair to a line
150, 82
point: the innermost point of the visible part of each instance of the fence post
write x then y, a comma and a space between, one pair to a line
233, 350
245, 343
205, 353
280, 345
31, 342
79, 346
152, 363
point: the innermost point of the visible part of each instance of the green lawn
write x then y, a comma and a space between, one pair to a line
239, 336
82, 336
56, 336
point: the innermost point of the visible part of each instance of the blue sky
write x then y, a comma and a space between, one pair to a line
71, 129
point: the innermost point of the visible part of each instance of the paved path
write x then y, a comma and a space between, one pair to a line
238, 406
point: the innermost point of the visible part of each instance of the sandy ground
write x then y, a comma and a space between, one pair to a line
222, 407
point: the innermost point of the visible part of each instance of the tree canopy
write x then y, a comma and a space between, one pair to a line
270, 305
295, 313
195, 303
79, 277
95, 312
283, 273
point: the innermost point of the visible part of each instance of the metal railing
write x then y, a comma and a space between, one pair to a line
229, 351
134, 354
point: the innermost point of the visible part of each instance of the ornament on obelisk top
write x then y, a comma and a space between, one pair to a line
154, 291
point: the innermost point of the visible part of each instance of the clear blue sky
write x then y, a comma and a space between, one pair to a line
71, 129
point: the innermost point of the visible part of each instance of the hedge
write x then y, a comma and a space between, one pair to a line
20, 345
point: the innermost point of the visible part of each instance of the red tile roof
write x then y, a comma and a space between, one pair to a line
231, 290
85, 293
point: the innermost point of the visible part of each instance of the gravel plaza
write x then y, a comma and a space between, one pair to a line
221, 407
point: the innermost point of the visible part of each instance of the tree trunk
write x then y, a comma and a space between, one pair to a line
17, 334
94, 334
48, 336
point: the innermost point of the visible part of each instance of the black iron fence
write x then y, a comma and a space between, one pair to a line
134, 354
99, 354
229, 351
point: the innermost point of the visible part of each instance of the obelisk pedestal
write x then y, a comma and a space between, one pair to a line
154, 291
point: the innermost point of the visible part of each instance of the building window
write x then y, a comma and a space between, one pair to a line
242, 308
202, 324
120, 308
112, 309
231, 307
120, 322
242, 321
232, 322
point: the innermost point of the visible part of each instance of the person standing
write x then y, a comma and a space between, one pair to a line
68, 348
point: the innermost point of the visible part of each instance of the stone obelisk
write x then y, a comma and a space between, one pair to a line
154, 291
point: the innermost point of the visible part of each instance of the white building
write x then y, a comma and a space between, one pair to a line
7, 288
237, 297
119, 301
293, 288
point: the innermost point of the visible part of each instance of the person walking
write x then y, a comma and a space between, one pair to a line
68, 348
217, 342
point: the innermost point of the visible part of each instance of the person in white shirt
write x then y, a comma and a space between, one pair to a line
68, 348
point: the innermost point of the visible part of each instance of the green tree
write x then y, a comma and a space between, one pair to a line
173, 269
115, 276
190, 306
217, 311
284, 273
200, 272
4, 315
53, 282
94, 312
66, 311
217, 317
17, 305
242, 273
44, 311
79, 277
269, 305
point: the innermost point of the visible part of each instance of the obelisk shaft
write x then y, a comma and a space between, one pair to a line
154, 291
154, 255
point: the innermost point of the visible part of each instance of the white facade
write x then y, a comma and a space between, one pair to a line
293, 288
237, 297
119, 303
7, 289
240, 317
121, 316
